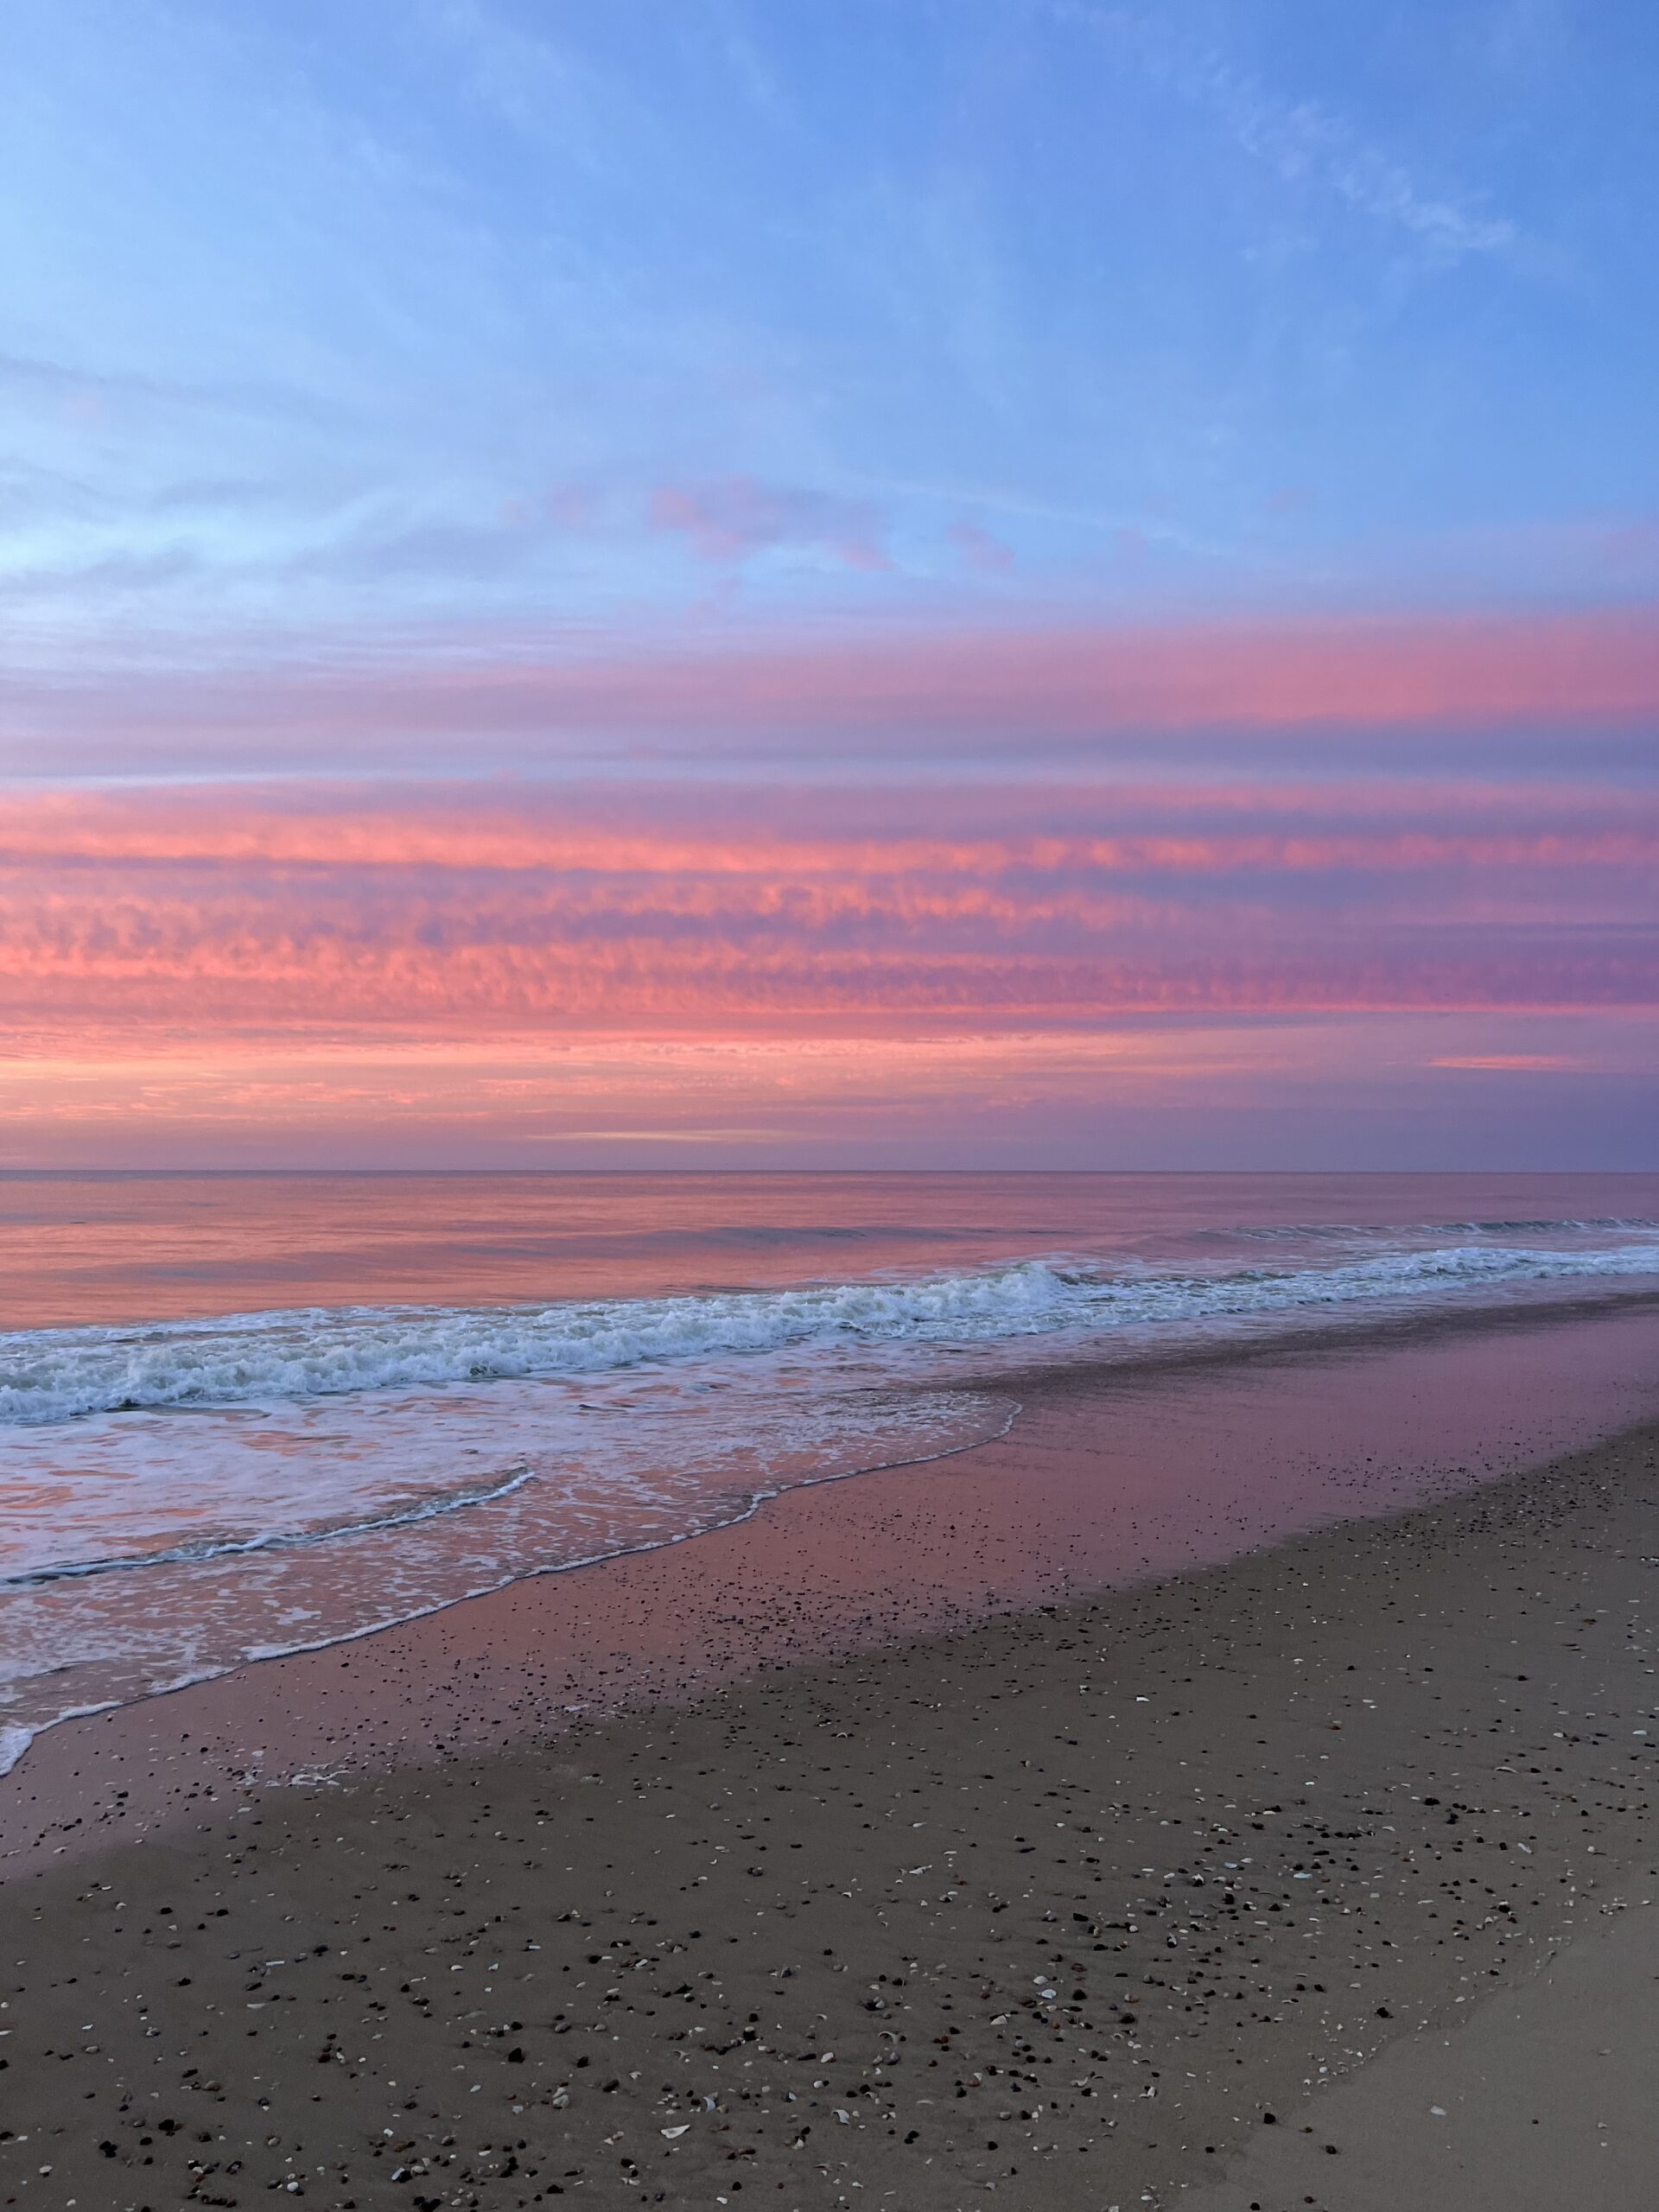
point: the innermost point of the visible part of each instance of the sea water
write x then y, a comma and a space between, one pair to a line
246, 1414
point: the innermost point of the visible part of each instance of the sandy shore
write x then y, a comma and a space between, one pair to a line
1546, 2096
1108, 1476
1050, 1909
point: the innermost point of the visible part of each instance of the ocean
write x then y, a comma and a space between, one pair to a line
244, 1415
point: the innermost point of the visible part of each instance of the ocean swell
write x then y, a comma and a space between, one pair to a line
49, 1376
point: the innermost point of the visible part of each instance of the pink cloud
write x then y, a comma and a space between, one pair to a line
1508, 1063
1354, 826
730, 519
1078, 681
1237, 891
451, 910
979, 550
981, 829
988, 693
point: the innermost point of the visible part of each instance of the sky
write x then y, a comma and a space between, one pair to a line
869, 583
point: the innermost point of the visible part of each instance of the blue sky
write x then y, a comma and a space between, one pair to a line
809, 581
589, 315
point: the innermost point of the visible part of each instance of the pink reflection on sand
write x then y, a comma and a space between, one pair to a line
1102, 1481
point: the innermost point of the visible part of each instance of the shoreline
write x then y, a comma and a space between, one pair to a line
1222, 1834
1319, 1347
11, 1758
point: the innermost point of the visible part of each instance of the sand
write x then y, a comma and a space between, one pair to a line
1548, 2096
1108, 1476
1050, 1909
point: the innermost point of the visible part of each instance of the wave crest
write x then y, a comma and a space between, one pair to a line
56, 1374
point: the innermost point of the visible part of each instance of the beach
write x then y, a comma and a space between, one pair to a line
847, 1877
828, 1204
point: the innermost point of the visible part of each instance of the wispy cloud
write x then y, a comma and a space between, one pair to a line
118, 574
979, 550
97, 391
1508, 1063
733, 518
442, 910
934, 695
1305, 142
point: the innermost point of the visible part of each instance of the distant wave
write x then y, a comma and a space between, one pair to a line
1418, 1233
57, 1375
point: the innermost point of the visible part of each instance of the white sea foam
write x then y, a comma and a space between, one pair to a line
76, 1641
274, 1539
287, 1479
55, 1374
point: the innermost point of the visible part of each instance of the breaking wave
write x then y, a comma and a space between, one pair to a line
56, 1374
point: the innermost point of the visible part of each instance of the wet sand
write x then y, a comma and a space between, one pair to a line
1108, 1476
1050, 1908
